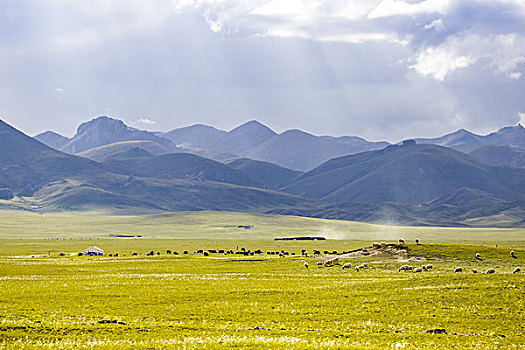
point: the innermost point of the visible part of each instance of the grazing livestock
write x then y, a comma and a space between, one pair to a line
281, 254
168, 252
306, 264
319, 263
490, 271
362, 266
417, 240
405, 268
474, 271
458, 269
512, 254
517, 270
401, 241
383, 244
418, 269
330, 262
347, 265
134, 254
478, 256
376, 245
429, 266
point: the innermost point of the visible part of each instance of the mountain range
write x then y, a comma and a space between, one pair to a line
416, 182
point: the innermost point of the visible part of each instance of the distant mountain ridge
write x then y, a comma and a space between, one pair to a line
501, 156
59, 181
293, 149
409, 174
409, 184
466, 141
99, 132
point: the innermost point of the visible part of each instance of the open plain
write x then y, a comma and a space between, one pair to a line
262, 300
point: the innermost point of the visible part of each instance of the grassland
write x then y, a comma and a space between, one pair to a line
234, 301
223, 225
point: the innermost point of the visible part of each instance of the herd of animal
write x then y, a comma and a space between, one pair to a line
407, 268
334, 261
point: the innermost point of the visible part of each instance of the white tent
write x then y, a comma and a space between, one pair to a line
93, 251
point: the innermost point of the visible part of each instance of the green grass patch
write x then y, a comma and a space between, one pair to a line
225, 301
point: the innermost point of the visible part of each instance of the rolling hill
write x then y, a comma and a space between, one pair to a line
104, 131
52, 139
301, 151
105, 152
190, 166
271, 175
501, 156
195, 136
243, 138
410, 174
465, 141
43, 178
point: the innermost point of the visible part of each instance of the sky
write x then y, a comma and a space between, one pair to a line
380, 69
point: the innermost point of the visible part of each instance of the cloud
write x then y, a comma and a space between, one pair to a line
388, 8
387, 69
436, 25
503, 53
146, 121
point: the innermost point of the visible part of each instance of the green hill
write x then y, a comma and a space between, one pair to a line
46, 179
102, 153
410, 174
271, 175
190, 166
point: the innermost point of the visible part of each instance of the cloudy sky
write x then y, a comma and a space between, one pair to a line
381, 69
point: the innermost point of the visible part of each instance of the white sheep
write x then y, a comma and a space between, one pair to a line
418, 269
512, 254
364, 264
417, 240
490, 271
347, 266
405, 268
306, 264
477, 255
330, 262
357, 268
517, 270
458, 269
474, 271
401, 241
